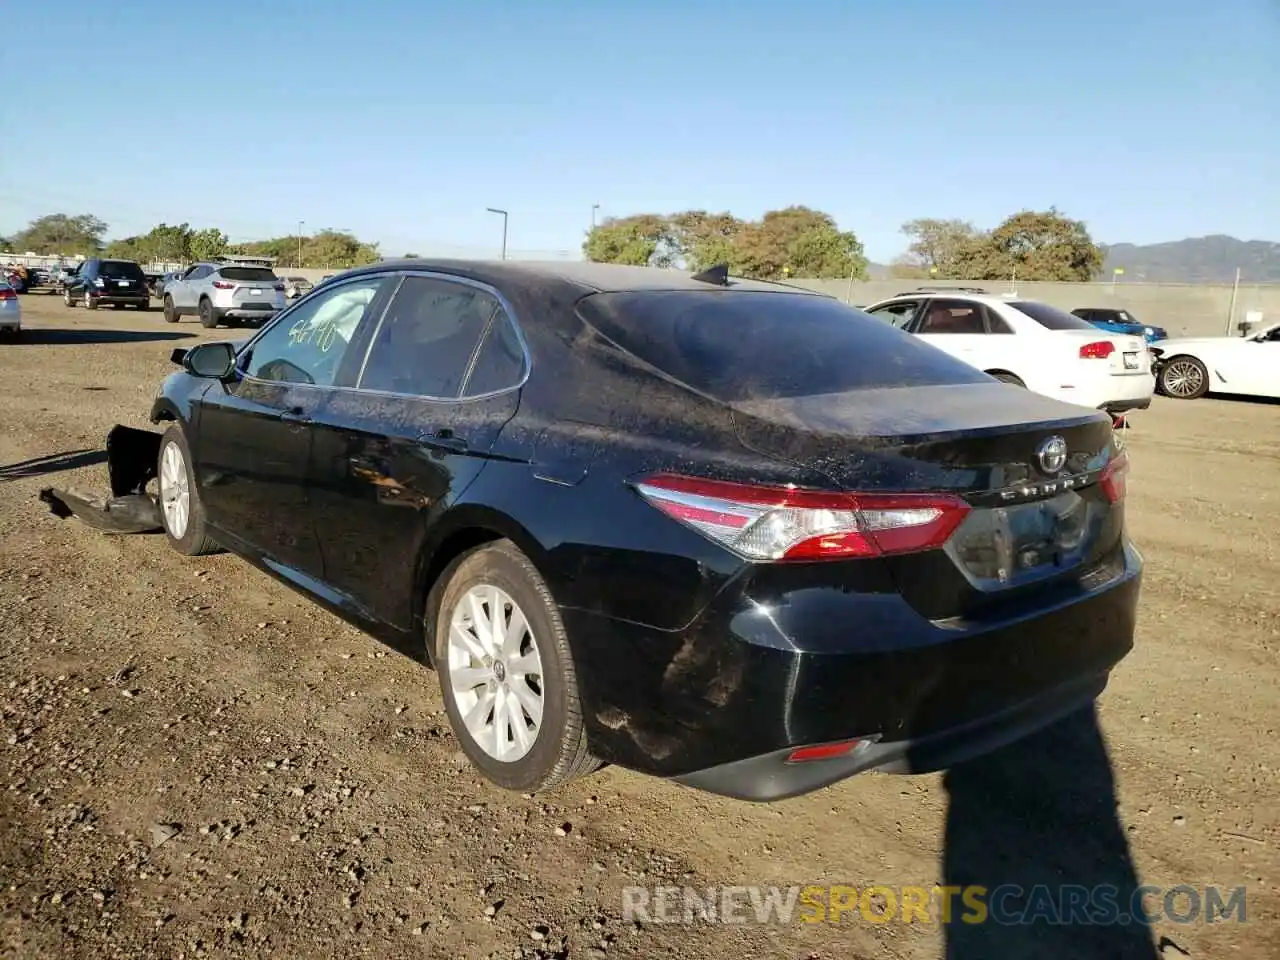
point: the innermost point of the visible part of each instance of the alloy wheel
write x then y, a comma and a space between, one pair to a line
175, 492
1183, 378
495, 671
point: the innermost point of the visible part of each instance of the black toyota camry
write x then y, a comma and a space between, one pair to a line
732, 533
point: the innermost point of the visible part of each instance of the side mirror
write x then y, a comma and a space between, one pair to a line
217, 361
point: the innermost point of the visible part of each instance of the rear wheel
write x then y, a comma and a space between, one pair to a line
1004, 377
180, 507
170, 314
207, 317
66, 298
506, 671
1184, 378
145, 305
89, 302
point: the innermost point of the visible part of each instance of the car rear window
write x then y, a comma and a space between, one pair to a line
120, 270
1051, 318
261, 274
745, 345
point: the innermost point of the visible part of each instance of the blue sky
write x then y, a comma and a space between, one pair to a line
402, 120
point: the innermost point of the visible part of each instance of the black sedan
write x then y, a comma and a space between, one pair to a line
726, 532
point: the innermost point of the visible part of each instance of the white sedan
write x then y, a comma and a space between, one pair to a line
1029, 344
1190, 367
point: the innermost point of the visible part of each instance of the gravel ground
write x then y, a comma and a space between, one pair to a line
195, 761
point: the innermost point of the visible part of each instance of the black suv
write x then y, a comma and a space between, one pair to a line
116, 282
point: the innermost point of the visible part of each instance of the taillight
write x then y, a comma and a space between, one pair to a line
1098, 350
223, 285
7, 294
787, 523
1114, 479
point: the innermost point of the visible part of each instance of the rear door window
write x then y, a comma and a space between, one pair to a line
898, 313
952, 317
428, 337
737, 346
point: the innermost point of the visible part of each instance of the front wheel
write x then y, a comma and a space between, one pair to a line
170, 313
1184, 378
1008, 378
506, 671
180, 509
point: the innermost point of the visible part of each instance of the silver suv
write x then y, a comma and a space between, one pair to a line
224, 292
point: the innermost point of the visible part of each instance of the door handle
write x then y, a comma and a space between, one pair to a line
295, 416
444, 440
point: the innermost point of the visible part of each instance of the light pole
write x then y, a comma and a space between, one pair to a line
594, 208
504, 228
300, 223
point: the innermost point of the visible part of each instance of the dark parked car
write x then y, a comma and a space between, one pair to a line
118, 283
727, 532
1115, 320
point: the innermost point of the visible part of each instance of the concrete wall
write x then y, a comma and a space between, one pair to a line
1182, 309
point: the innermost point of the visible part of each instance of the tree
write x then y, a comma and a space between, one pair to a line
6, 244
169, 244
641, 240
700, 240
207, 244
940, 247
799, 242
61, 234
1046, 245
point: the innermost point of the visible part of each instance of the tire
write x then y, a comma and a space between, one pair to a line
1183, 378
208, 318
170, 312
89, 302
145, 306
117, 306
1007, 378
191, 539
66, 298
557, 751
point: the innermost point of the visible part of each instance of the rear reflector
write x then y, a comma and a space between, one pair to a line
1098, 350
787, 523
224, 285
1114, 479
822, 751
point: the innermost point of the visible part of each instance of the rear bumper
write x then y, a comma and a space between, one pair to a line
720, 704
124, 298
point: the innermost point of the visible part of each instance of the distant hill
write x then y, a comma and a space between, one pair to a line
1211, 259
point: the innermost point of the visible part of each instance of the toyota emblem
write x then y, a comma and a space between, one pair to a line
1052, 455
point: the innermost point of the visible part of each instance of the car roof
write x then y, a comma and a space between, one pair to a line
987, 298
586, 276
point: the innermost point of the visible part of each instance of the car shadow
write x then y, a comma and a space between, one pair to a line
1039, 818
36, 335
1245, 398
53, 463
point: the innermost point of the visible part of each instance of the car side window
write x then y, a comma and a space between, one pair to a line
898, 313
500, 363
307, 344
427, 338
996, 323
952, 316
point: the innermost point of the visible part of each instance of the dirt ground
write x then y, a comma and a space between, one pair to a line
322, 808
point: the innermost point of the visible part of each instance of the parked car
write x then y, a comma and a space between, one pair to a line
1115, 320
295, 287
158, 286
16, 277
1190, 367
1029, 344
224, 292
10, 311
681, 524
100, 282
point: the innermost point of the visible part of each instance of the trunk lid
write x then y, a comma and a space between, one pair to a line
1033, 524
1129, 357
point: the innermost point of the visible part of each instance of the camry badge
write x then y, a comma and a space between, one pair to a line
1051, 455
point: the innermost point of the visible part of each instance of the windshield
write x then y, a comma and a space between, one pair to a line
120, 270
1051, 318
747, 345
251, 274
